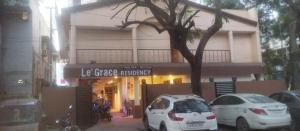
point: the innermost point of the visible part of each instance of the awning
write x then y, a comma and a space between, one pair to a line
209, 70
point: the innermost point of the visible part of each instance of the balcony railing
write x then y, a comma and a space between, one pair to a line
144, 56
104, 56
215, 56
164, 56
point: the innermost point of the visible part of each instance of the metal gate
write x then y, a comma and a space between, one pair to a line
84, 104
223, 88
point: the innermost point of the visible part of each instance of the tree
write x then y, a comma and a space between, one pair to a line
178, 23
294, 36
272, 59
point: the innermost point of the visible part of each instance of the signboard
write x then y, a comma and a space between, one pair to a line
111, 72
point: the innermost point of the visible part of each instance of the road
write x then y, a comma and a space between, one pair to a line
129, 124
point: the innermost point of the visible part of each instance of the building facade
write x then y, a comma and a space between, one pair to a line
25, 48
111, 62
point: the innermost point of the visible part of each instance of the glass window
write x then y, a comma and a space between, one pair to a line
19, 114
232, 100
160, 103
220, 101
191, 105
286, 98
259, 99
276, 97
166, 103
155, 104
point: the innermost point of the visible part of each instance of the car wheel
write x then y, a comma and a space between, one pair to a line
163, 128
146, 124
242, 125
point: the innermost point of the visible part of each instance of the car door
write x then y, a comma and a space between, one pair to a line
151, 114
292, 104
218, 108
157, 112
162, 112
234, 109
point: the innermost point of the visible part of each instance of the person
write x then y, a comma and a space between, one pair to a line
127, 107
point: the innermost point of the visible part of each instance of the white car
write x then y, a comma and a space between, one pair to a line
179, 113
250, 111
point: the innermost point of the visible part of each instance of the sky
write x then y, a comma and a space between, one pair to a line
44, 7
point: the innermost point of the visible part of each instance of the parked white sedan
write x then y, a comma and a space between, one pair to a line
250, 111
179, 113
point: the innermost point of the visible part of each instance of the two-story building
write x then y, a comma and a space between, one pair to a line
107, 61
25, 49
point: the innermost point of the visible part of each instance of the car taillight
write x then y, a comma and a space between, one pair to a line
258, 111
211, 117
173, 117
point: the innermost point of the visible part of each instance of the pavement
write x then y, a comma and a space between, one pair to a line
120, 123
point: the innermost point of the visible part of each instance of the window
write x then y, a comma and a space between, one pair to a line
191, 105
220, 101
276, 97
160, 103
259, 99
232, 100
286, 98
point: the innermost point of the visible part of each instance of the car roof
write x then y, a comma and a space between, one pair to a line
243, 94
18, 101
182, 97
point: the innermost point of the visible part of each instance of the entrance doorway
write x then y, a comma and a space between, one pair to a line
117, 91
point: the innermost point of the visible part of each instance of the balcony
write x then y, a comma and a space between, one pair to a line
104, 56
144, 56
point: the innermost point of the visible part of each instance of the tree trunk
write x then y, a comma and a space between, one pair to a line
293, 58
175, 56
196, 78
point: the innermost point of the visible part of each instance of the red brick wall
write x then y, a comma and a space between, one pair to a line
261, 87
55, 103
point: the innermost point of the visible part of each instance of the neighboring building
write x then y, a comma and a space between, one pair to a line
25, 49
103, 58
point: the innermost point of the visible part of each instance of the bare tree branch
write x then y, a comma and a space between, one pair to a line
129, 12
182, 13
211, 30
190, 18
122, 9
128, 23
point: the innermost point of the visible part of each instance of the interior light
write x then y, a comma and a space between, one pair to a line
25, 15
171, 81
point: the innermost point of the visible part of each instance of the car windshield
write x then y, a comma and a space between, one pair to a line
191, 105
259, 99
18, 114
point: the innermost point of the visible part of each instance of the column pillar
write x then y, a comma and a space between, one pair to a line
231, 45
134, 45
136, 91
72, 52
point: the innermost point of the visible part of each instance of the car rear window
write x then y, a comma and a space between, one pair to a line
191, 105
259, 99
